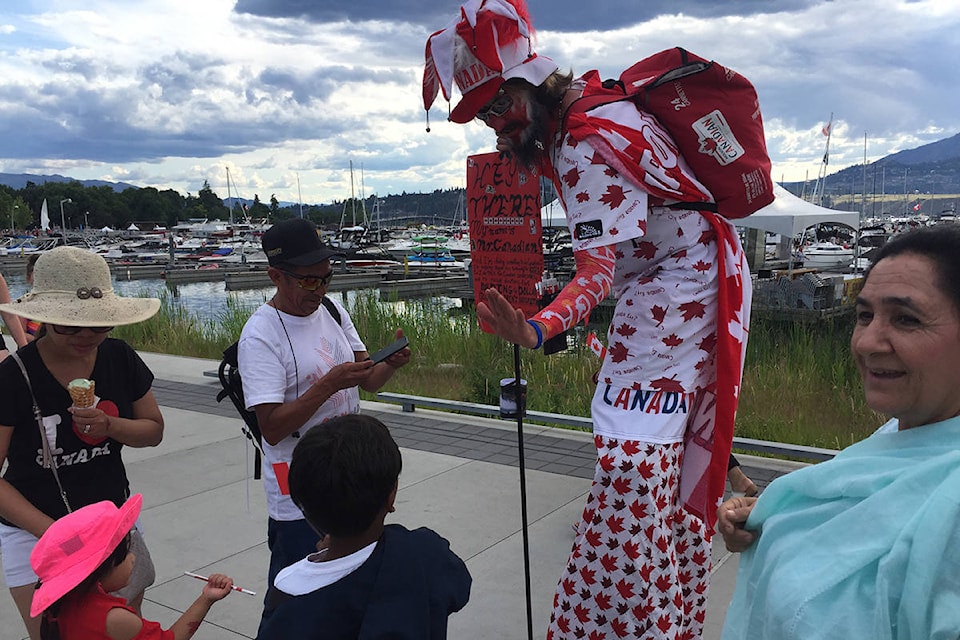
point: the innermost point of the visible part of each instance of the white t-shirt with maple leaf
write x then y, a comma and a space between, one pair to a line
663, 333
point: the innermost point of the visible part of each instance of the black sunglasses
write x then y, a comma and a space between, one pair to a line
495, 108
308, 283
66, 330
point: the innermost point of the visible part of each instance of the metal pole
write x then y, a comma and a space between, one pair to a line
523, 491
63, 224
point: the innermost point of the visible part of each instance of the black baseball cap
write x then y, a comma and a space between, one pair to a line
296, 242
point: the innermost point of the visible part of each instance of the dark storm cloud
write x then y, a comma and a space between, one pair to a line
559, 15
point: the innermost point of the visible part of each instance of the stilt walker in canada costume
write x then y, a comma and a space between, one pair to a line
663, 409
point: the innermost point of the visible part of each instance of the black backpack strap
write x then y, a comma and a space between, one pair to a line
229, 374
332, 309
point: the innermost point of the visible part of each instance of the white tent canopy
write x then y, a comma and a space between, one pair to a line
788, 215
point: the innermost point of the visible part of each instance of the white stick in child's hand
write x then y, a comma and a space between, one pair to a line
204, 578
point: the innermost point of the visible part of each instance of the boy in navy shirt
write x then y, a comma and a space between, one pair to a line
370, 580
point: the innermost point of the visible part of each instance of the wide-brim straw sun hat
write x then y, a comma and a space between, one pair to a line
72, 287
72, 548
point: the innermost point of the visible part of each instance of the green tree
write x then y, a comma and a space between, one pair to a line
172, 205
210, 203
258, 209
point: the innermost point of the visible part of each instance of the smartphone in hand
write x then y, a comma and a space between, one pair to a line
389, 350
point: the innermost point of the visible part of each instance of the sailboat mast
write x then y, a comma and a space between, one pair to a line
363, 200
230, 206
820, 188
353, 201
863, 190
299, 195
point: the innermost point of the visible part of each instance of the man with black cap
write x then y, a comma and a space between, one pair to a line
301, 360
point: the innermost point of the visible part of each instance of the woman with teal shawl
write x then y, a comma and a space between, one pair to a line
867, 545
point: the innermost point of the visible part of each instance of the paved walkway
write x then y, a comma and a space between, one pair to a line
203, 511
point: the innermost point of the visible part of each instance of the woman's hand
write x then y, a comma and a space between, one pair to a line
731, 516
506, 321
90, 423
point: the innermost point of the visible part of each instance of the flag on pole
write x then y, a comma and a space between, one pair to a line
918, 206
826, 129
596, 346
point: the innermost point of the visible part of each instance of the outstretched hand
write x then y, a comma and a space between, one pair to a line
506, 321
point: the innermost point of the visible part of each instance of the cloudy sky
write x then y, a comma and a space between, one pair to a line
286, 93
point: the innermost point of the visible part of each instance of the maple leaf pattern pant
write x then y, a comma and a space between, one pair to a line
640, 564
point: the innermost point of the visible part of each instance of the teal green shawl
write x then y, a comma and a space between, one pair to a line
863, 547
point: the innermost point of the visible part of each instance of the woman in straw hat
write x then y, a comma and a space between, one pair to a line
85, 554
61, 456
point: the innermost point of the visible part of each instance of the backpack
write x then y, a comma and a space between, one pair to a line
229, 374
713, 115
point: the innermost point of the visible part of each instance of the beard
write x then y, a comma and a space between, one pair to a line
532, 148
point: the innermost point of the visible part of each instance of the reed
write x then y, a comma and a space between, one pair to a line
800, 385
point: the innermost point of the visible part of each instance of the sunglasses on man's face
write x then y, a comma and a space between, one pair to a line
66, 330
307, 282
495, 108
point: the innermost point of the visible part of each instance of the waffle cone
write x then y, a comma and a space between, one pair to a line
82, 397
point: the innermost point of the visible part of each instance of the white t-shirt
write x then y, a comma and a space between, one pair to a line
272, 373
310, 574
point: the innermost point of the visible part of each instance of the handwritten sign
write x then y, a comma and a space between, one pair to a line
503, 210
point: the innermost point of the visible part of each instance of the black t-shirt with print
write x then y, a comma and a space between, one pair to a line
89, 473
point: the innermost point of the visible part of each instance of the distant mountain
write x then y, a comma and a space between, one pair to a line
930, 169
20, 180
939, 151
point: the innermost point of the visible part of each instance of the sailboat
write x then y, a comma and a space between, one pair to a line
44, 216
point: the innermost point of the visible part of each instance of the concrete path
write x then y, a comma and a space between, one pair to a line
204, 513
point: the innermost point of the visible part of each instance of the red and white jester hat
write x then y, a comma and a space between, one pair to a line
489, 42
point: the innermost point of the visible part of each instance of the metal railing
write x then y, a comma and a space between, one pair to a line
410, 402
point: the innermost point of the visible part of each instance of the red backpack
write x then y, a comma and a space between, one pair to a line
713, 114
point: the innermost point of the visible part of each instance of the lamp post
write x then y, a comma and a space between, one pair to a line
12, 209
63, 226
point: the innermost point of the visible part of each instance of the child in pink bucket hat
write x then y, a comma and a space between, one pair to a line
84, 555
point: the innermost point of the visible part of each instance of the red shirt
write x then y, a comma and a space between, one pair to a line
85, 618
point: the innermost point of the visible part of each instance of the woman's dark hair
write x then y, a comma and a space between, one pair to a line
49, 625
342, 473
31, 263
940, 244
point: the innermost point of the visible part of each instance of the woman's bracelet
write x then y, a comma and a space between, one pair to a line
536, 328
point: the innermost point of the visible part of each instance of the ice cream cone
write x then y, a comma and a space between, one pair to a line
82, 392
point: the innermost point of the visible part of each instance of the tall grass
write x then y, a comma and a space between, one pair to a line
176, 331
800, 384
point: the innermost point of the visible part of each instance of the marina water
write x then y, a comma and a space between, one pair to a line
207, 301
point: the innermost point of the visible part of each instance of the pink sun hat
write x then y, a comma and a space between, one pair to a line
72, 548
488, 43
